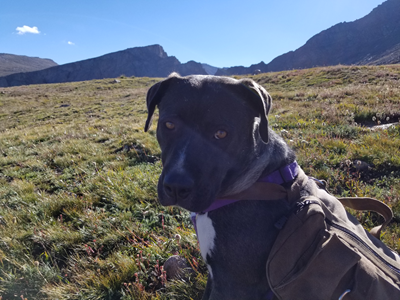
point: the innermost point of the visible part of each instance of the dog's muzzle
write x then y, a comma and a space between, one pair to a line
177, 187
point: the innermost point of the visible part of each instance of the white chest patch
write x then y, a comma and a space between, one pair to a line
206, 235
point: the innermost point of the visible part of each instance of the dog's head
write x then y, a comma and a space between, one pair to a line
211, 131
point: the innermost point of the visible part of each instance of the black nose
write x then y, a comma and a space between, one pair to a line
178, 186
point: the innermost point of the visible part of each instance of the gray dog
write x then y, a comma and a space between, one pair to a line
217, 150
215, 142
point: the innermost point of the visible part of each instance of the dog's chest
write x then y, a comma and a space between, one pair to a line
236, 240
206, 236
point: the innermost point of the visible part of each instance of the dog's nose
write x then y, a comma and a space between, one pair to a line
178, 186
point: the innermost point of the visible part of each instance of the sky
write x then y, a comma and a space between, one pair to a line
222, 33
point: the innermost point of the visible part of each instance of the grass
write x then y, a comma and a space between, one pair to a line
79, 217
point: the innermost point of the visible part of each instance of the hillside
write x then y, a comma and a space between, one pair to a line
10, 64
79, 217
150, 61
371, 40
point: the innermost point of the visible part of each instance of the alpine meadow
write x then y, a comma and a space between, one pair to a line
79, 215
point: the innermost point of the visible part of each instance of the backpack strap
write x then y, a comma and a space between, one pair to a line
272, 191
261, 191
364, 203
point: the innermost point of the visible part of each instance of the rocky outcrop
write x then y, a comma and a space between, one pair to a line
10, 64
373, 39
239, 70
150, 61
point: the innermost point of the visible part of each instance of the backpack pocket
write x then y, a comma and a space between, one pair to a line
367, 282
316, 274
310, 261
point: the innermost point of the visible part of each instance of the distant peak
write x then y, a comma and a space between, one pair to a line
155, 49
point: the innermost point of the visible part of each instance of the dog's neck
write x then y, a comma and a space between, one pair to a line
271, 156
284, 175
277, 154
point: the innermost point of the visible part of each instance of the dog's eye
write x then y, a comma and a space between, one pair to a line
170, 125
220, 134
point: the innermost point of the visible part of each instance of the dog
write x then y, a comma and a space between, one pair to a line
216, 144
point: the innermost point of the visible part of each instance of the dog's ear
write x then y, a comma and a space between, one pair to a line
154, 96
262, 103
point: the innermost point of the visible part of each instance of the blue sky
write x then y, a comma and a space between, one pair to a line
221, 33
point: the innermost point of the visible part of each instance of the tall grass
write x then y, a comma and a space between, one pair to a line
79, 216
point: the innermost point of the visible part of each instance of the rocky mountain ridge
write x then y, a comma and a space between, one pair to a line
150, 61
371, 40
10, 64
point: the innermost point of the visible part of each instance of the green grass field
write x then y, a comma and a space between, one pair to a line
79, 217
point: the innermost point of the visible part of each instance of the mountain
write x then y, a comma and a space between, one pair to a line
240, 70
10, 63
371, 40
149, 61
210, 69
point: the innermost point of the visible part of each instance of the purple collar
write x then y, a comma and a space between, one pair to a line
283, 175
280, 176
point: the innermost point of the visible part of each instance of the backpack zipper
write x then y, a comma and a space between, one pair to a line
299, 206
356, 237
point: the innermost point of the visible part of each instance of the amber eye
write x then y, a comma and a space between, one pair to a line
220, 134
170, 125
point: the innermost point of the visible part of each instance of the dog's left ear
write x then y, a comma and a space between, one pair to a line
154, 96
261, 101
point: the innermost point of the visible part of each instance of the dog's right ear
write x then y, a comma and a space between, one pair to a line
154, 96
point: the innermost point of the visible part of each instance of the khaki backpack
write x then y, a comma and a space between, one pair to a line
318, 256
